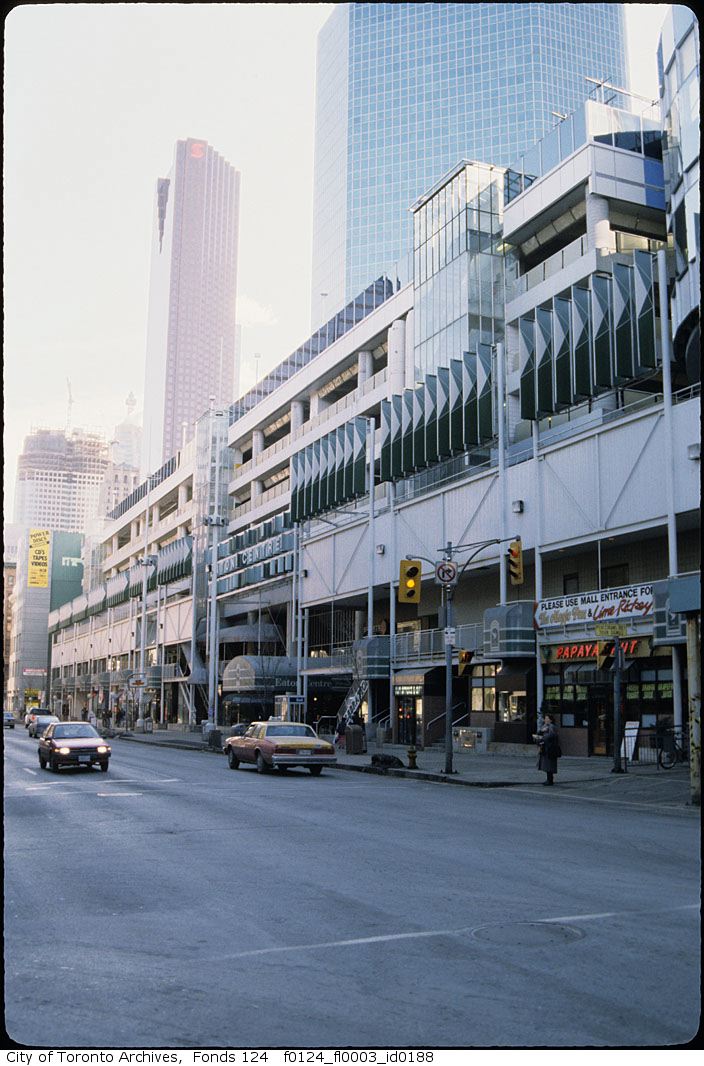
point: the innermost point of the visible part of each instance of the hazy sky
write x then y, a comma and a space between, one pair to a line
95, 97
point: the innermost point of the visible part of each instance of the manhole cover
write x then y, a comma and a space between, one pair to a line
528, 934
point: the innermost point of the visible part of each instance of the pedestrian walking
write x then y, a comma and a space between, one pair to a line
548, 747
340, 732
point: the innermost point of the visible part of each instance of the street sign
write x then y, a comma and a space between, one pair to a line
450, 635
446, 572
137, 681
611, 629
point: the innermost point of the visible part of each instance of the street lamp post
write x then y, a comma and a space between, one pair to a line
618, 661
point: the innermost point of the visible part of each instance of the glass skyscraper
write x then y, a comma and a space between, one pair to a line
405, 91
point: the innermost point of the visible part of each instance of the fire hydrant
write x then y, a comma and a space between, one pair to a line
412, 758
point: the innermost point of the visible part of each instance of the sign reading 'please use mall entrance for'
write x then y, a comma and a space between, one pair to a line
624, 605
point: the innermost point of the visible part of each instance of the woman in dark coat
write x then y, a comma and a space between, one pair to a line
549, 748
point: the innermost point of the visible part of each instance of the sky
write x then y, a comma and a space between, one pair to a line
96, 95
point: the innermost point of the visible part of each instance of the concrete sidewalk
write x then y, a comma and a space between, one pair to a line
491, 770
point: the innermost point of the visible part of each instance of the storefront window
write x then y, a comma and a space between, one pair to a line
483, 692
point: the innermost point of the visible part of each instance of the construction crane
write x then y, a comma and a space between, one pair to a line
69, 405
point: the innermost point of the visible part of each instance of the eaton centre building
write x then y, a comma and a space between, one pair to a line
524, 382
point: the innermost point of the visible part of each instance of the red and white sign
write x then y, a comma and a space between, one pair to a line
33, 671
625, 604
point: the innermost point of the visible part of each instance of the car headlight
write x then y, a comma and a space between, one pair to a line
102, 749
64, 751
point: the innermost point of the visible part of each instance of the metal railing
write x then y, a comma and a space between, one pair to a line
429, 644
653, 746
428, 729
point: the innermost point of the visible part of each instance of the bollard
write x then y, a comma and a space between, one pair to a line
412, 758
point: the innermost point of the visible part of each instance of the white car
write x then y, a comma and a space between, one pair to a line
40, 723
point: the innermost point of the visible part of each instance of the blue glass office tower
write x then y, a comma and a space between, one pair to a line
404, 91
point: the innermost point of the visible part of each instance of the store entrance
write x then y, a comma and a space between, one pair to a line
600, 722
410, 718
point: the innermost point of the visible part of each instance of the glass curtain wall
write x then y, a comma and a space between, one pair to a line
458, 267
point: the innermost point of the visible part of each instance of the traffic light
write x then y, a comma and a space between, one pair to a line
604, 655
515, 562
409, 581
464, 661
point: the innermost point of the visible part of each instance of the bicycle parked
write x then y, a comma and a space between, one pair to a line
672, 749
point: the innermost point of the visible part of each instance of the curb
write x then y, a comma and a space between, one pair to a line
171, 744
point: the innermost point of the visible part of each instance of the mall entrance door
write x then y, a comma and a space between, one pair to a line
601, 721
410, 718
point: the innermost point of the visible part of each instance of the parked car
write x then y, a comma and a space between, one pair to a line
280, 744
73, 744
40, 722
8, 720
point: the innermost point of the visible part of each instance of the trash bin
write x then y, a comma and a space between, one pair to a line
215, 739
354, 740
148, 725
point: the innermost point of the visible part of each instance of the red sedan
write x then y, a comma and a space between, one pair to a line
73, 744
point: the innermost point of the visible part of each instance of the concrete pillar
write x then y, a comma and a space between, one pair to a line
318, 404
365, 367
296, 415
598, 233
359, 620
411, 375
397, 356
257, 488
182, 496
257, 442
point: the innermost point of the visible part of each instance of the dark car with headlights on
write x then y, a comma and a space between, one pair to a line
73, 744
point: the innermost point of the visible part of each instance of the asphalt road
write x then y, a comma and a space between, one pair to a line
175, 903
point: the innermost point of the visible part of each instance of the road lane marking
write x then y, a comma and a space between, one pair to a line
28, 771
114, 795
424, 934
617, 914
36, 788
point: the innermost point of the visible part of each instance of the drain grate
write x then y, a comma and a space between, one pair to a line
528, 934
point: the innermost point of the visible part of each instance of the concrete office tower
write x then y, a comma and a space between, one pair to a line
404, 91
59, 479
191, 326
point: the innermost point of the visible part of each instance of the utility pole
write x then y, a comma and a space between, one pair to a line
371, 427
214, 520
449, 644
694, 680
146, 562
618, 654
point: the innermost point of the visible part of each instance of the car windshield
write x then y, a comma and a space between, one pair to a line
66, 732
44, 721
289, 731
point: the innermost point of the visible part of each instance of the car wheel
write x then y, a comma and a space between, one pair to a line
104, 767
232, 761
54, 766
261, 765
42, 762
316, 770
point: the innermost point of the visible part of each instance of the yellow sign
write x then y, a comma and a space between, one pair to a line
38, 559
611, 629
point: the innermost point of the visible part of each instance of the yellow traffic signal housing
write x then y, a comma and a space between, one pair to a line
515, 562
409, 581
464, 661
605, 655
